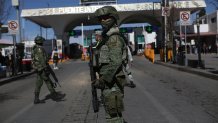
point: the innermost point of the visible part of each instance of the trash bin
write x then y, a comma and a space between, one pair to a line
181, 58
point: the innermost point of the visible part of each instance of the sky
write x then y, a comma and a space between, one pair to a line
30, 30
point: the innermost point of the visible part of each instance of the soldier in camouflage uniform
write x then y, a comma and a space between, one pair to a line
40, 62
111, 77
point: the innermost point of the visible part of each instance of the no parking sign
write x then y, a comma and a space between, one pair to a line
185, 18
13, 26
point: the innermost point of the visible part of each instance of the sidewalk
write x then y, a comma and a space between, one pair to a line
9, 79
211, 65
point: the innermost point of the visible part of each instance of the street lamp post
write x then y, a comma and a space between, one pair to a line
174, 46
198, 40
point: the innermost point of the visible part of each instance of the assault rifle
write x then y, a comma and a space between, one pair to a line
95, 102
54, 76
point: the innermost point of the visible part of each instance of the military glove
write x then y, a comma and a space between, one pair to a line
99, 83
47, 72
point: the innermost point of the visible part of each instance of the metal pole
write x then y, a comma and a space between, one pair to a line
19, 22
40, 31
198, 40
14, 52
165, 33
174, 47
185, 47
1, 30
82, 34
180, 34
46, 34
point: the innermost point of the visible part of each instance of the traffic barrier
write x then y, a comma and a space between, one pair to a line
83, 57
170, 55
149, 54
87, 58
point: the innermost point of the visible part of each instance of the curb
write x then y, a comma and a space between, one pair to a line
189, 70
8, 80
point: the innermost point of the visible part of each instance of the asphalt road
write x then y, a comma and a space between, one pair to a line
162, 95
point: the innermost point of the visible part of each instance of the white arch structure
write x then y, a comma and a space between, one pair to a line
64, 19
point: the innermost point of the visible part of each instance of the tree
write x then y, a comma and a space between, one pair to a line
4, 12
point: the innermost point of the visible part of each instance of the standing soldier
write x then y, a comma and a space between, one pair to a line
40, 62
111, 77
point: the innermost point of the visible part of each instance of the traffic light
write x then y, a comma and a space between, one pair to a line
149, 29
72, 33
125, 30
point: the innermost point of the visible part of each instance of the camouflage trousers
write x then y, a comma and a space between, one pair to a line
42, 77
113, 109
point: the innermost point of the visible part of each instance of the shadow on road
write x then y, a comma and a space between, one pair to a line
5, 97
61, 97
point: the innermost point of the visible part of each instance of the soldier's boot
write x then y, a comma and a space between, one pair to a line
37, 100
132, 85
56, 96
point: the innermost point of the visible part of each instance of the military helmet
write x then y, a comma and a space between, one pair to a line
39, 39
107, 10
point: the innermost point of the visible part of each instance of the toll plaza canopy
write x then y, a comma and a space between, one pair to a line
64, 19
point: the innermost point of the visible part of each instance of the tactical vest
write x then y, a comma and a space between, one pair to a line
104, 52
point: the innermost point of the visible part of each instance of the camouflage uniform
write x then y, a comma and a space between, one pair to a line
40, 62
112, 78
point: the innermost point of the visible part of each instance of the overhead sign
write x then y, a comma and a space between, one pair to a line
13, 26
185, 18
165, 11
96, 1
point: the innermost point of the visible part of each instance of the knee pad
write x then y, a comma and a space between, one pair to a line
114, 103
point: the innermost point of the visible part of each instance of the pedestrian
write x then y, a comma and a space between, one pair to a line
111, 77
55, 56
40, 62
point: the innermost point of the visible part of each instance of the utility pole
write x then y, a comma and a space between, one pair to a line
16, 4
198, 40
166, 4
